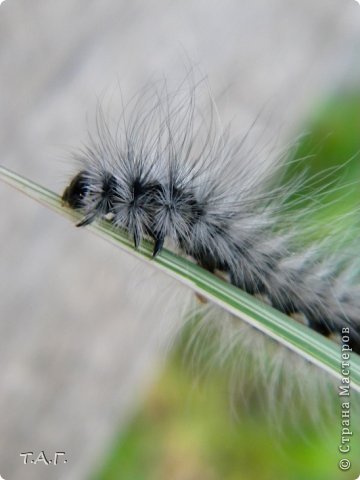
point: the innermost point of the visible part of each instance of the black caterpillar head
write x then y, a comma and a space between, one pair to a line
75, 193
92, 194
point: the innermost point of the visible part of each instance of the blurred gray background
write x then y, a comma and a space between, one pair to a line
82, 325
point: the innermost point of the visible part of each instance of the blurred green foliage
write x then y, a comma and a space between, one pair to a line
187, 429
187, 432
330, 153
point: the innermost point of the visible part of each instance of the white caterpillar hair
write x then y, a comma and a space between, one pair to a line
167, 171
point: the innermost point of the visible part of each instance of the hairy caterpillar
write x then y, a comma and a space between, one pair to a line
167, 172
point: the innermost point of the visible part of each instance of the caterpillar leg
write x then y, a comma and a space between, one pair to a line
137, 239
87, 219
159, 243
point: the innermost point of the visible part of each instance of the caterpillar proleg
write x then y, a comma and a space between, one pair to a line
167, 171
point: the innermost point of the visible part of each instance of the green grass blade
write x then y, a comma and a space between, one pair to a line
297, 337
